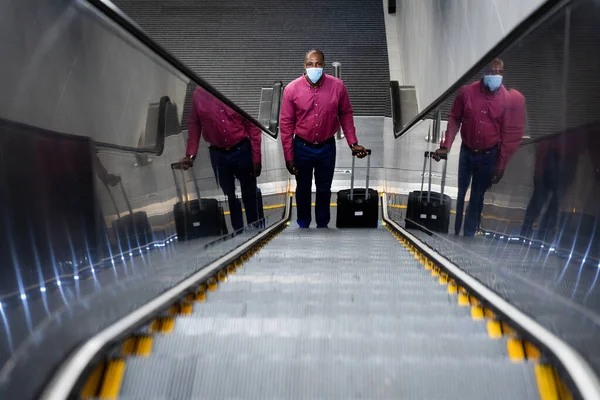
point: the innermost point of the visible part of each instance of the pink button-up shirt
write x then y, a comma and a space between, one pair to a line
220, 125
315, 113
484, 121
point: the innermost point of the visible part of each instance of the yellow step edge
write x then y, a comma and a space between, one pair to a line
186, 309
477, 313
189, 298
489, 314
92, 383
113, 378
507, 330
162, 325
168, 324
222, 276
143, 346
494, 329
212, 285
201, 297
463, 300
452, 289
546, 382
128, 347
563, 391
515, 349
443, 279
531, 351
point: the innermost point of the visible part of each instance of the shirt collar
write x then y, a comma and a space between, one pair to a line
321, 82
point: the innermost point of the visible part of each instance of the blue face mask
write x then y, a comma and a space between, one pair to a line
314, 74
493, 82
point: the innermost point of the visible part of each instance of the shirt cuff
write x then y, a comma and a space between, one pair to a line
256, 158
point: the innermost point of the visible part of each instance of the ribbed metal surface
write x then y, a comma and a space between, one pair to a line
329, 314
560, 295
241, 47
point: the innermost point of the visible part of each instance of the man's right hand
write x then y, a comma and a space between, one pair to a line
187, 163
439, 153
291, 167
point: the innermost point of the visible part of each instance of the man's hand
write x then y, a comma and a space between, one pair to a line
360, 151
439, 153
187, 163
291, 167
256, 169
498, 174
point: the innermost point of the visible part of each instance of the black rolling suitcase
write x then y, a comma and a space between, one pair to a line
133, 230
199, 217
429, 210
358, 208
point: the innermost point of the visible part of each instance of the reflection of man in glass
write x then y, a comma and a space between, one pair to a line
235, 151
479, 112
313, 107
556, 162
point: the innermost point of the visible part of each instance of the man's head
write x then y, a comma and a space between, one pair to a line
314, 61
493, 73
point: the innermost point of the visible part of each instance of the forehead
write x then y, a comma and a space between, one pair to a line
314, 56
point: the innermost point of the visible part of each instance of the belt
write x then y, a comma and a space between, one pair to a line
315, 145
231, 149
479, 151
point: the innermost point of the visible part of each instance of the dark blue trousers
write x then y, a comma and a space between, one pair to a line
227, 167
321, 162
475, 170
549, 188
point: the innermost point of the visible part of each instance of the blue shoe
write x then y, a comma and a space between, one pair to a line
303, 225
322, 227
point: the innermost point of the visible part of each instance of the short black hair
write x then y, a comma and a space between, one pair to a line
319, 52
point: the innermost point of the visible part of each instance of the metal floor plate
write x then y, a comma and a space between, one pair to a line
329, 314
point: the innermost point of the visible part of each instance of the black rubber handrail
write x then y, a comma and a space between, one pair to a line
545, 11
117, 16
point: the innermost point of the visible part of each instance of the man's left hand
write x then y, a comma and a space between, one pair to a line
360, 151
256, 169
498, 174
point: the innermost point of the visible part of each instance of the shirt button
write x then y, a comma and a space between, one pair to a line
222, 120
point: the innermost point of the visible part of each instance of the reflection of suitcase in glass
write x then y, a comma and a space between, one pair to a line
199, 217
261, 211
132, 230
358, 208
427, 210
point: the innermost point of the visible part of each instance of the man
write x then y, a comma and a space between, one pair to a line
235, 152
490, 136
312, 109
556, 162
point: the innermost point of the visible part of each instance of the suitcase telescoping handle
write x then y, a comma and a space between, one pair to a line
354, 154
112, 198
428, 155
179, 166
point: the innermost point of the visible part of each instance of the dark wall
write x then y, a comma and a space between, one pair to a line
241, 47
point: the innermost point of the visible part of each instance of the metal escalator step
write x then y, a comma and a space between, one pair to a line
299, 309
254, 378
435, 299
370, 326
298, 321
349, 349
